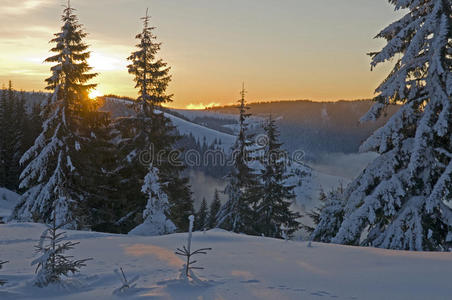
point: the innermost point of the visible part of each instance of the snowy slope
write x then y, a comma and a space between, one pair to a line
254, 122
122, 108
238, 267
191, 114
8, 200
200, 132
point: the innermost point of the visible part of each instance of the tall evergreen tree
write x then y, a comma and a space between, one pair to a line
151, 74
53, 177
236, 214
274, 217
151, 132
400, 200
215, 207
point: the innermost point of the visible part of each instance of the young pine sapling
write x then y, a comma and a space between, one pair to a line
186, 251
52, 264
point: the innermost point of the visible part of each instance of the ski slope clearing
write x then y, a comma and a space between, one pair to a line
8, 200
238, 267
200, 132
122, 108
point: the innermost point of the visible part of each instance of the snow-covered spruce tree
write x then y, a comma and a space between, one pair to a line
236, 214
213, 211
273, 210
328, 217
402, 199
150, 132
52, 264
51, 177
155, 215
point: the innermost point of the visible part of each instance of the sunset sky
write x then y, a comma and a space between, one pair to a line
282, 50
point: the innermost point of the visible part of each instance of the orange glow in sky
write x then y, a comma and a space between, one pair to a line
282, 50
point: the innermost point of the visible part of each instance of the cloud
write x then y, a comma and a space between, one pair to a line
28, 72
103, 62
13, 35
14, 7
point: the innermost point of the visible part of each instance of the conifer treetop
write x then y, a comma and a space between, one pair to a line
243, 108
151, 74
71, 70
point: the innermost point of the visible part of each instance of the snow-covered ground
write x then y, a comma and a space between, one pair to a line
238, 267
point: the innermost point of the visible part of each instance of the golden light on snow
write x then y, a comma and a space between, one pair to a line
94, 94
162, 253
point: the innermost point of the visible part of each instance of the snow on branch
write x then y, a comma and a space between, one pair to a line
52, 264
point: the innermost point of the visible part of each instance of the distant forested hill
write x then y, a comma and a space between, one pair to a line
319, 127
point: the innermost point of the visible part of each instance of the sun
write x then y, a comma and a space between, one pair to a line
201, 106
94, 94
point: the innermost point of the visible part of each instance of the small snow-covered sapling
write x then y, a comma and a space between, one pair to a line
2, 281
52, 263
186, 251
